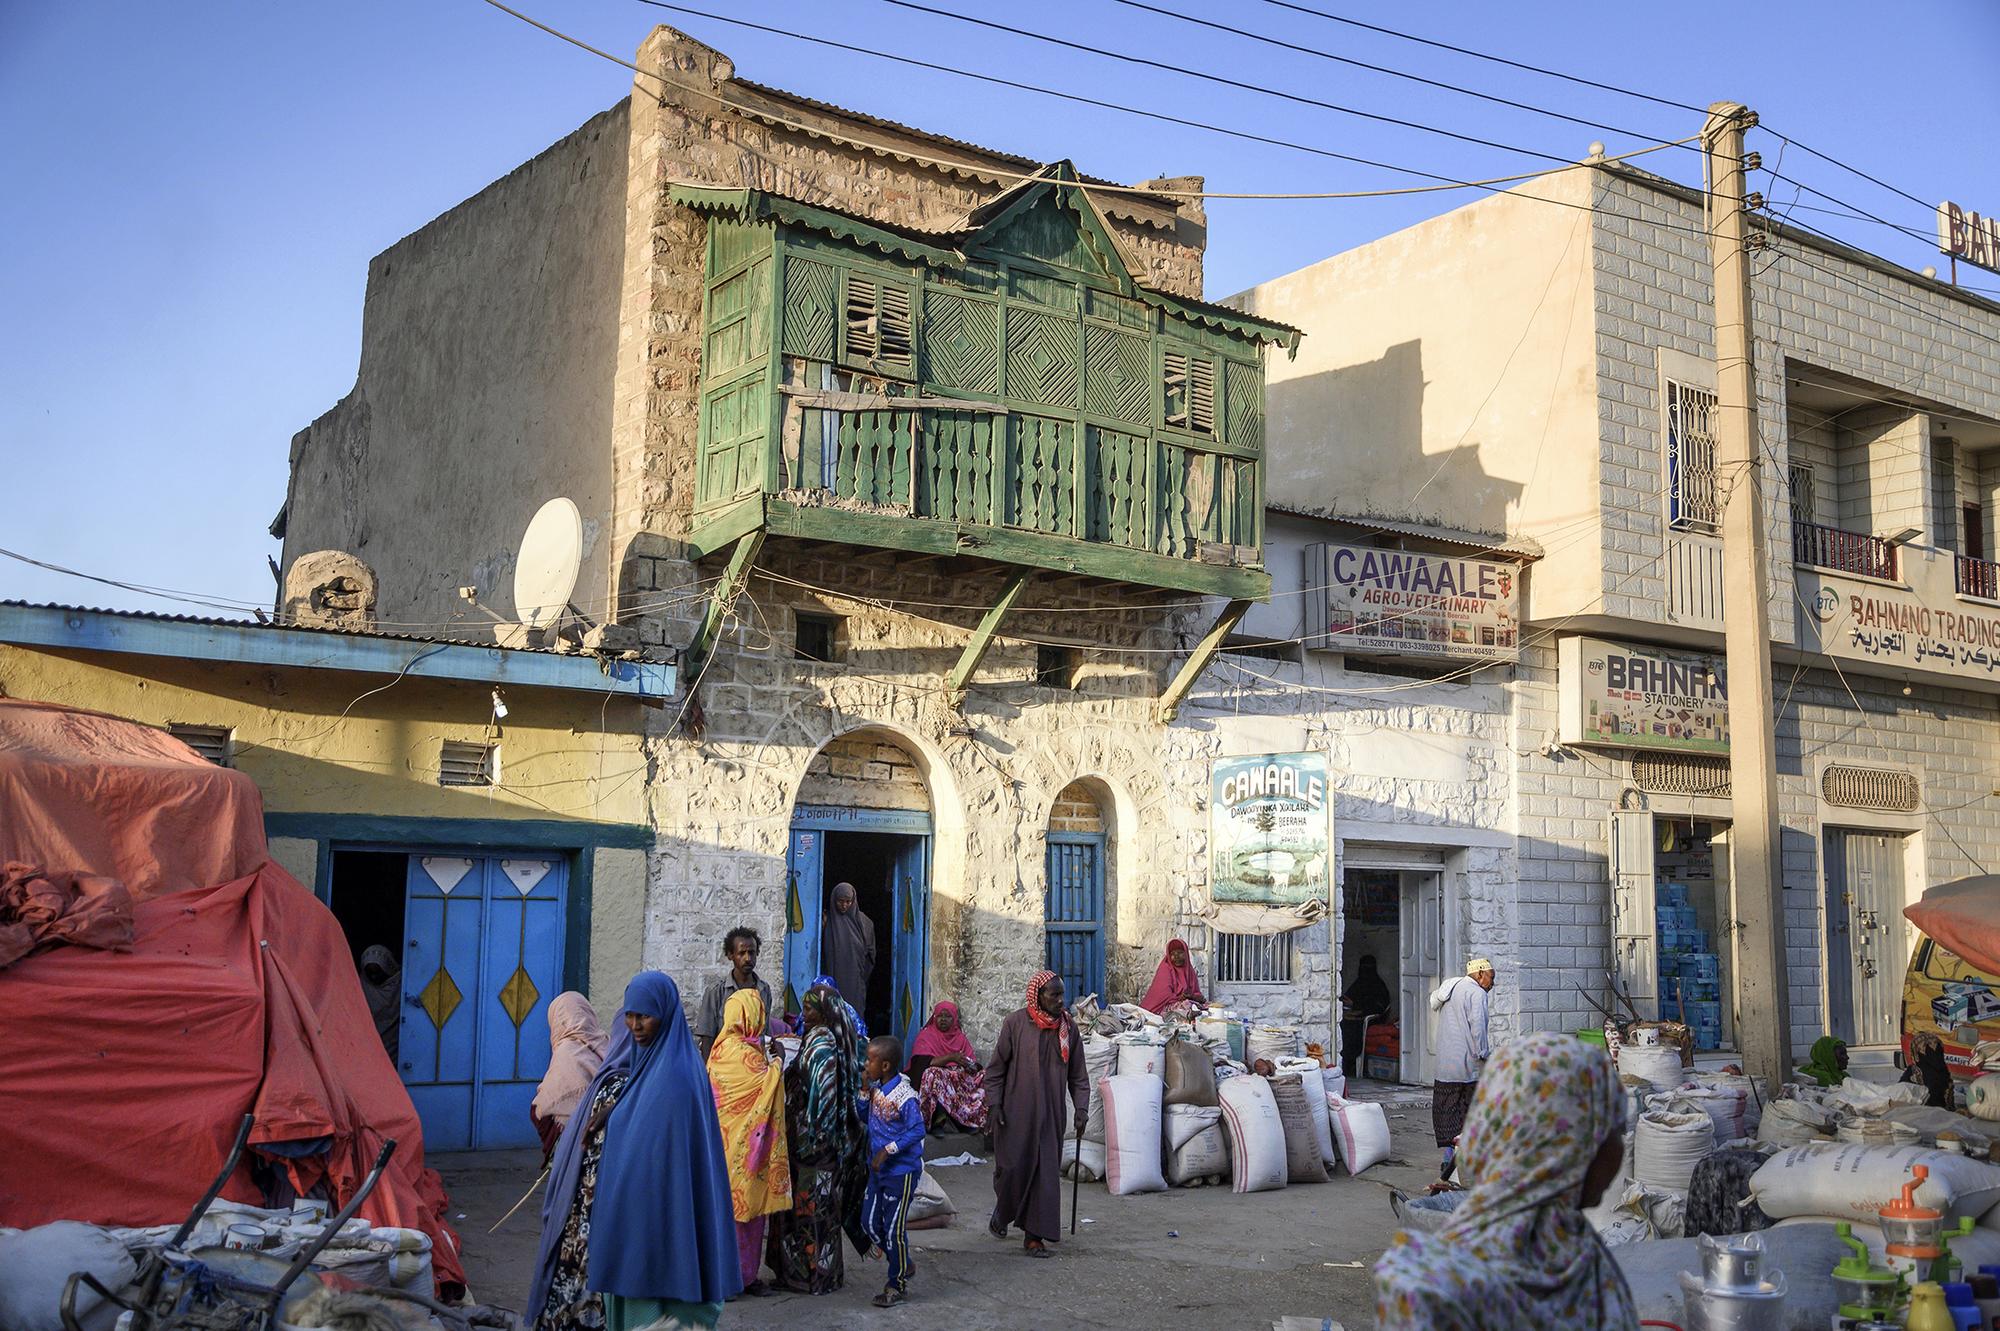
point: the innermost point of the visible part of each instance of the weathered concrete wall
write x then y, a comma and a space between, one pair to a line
485, 389
617, 905
563, 755
1448, 376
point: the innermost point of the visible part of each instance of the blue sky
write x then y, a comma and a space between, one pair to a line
192, 192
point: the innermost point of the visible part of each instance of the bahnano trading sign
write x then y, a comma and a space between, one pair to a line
1628, 697
1270, 829
1413, 604
1964, 234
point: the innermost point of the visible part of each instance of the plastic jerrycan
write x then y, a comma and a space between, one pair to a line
1928, 1310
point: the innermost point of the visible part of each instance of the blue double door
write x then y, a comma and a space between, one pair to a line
886, 855
482, 957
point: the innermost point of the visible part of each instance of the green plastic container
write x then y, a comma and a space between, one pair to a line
1595, 1037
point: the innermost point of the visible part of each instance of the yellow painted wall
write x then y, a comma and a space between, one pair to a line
563, 755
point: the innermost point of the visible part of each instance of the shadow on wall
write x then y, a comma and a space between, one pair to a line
1353, 440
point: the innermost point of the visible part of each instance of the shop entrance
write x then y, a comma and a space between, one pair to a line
1674, 921
1867, 938
1394, 909
475, 948
885, 854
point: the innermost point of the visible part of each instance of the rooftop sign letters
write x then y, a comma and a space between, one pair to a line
1964, 234
1628, 697
1408, 603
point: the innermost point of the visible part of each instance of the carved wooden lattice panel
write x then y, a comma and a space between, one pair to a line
961, 343
955, 469
1117, 375
1041, 357
1116, 507
1244, 386
809, 299
1041, 477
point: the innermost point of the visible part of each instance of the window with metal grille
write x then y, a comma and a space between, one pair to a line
1693, 501
1676, 774
816, 638
1055, 667
1879, 788
1803, 483
463, 763
215, 743
1190, 392
878, 324
1254, 958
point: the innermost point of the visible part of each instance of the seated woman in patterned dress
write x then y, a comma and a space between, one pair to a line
951, 1084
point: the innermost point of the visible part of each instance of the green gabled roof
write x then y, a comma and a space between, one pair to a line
946, 249
756, 205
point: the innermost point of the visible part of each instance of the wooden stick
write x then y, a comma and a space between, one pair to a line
523, 1202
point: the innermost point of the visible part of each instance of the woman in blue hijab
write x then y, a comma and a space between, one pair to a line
638, 1232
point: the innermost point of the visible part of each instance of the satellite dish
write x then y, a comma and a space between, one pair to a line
546, 570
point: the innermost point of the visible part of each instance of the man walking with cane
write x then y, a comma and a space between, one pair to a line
1038, 1056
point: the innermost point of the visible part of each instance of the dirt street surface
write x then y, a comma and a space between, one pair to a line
1191, 1256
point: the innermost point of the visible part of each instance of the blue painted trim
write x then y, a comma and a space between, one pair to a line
834, 818
576, 894
431, 833
323, 649
1077, 839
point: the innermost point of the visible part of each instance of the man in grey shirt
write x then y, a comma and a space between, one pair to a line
740, 947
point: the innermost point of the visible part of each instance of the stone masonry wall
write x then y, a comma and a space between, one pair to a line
689, 127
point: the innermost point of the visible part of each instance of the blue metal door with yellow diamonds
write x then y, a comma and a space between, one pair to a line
483, 946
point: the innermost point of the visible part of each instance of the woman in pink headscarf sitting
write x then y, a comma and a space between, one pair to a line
951, 1085
576, 1051
1174, 982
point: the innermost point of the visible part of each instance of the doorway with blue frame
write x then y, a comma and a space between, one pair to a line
886, 855
478, 945
1075, 911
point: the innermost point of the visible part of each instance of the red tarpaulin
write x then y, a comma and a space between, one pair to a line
126, 1073
1964, 919
85, 791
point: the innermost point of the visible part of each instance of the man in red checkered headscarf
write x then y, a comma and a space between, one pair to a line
1039, 1055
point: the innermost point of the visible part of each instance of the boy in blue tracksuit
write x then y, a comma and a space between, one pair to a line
896, 1159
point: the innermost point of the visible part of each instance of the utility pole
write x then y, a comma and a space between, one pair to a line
1763, 1013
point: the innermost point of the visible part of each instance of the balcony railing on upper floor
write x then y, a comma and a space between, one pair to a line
1978, 577
1844, 551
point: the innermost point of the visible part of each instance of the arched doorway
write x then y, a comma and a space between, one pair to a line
1075, 913
863, 817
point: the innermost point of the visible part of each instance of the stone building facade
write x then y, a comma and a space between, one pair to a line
1542, 362
546, 338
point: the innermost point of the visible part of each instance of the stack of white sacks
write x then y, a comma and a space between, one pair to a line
1830, 1154
1170, 1107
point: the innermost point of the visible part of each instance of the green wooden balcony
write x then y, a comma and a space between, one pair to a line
1007, 391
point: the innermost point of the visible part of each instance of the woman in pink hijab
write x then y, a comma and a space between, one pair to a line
946, 1069
1174, 982
576, 1051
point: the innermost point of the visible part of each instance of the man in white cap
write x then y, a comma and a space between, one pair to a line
1460, 1007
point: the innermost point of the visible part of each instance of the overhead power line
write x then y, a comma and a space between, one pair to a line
1127, 58
1495, 184
1391, 71
1488, 56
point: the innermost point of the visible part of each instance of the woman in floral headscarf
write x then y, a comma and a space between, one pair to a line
1544, 1138
750, 1101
